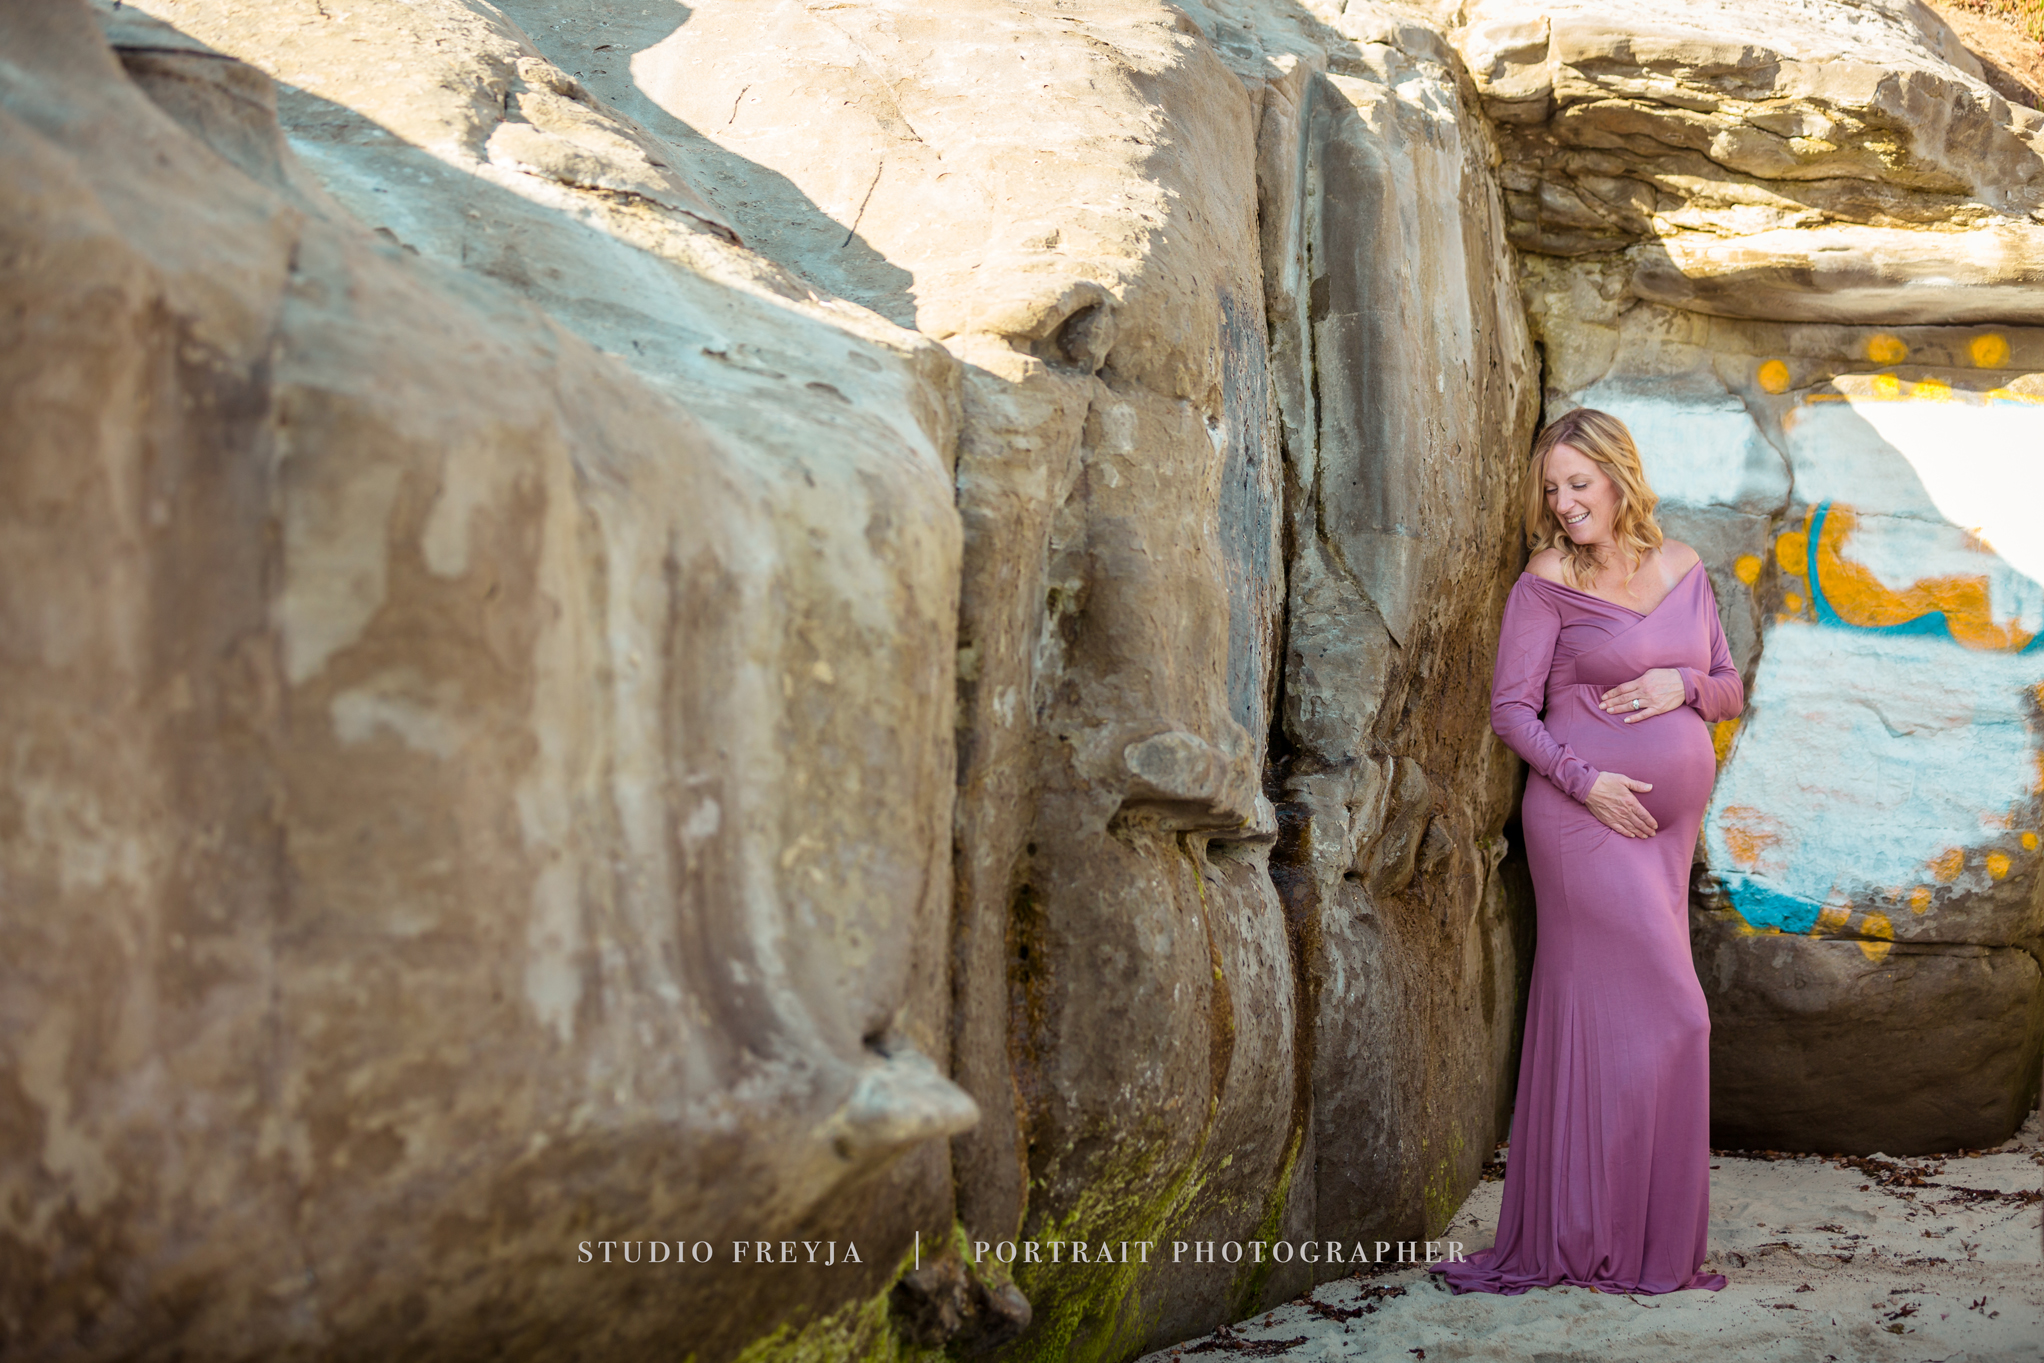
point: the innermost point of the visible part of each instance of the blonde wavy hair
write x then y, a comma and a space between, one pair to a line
1603, 439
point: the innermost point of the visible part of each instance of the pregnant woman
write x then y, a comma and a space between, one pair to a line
1611, 665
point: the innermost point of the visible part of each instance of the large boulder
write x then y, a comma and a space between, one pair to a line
1818, 1042
477, 679
1223, 915
1072, 203
1850, 451
1068, 203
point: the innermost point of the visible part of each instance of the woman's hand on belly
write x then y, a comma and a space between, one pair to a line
1649, 694
1612, 801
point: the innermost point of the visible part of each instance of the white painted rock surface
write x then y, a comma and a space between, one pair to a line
1869, 530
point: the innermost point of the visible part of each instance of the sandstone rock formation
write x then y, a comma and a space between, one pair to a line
631, 914
1155, 1059
1401, 517
473, 787
1791, 246
1829, 161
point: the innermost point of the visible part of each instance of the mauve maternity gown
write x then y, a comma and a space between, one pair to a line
1608, 1181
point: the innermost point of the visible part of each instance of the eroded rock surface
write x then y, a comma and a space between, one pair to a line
468, 793
527, 344
1401, 505
1821, 161
1071, 202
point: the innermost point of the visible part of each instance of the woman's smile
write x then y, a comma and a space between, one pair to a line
1580, 494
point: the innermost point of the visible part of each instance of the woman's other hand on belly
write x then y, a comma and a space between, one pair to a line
1649, 694
1612, 801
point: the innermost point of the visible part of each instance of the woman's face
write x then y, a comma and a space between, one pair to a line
1581, 495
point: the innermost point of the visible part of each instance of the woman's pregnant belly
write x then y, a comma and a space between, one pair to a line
1672, 752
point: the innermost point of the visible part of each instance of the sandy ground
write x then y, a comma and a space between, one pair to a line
1936, 1259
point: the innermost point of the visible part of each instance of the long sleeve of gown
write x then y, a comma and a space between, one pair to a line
1718, 694
1518, 692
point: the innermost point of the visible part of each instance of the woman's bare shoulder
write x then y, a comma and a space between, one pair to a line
1547, 564
1679, 558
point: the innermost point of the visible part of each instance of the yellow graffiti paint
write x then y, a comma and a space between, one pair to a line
1876, 926
2029, 842
1792, 550
1793, 602
1860, 598
1997, 864
1947, 864
1919, 899
1831, 920
1774, 376
1989, 352
1748, 832
1746, 567
1886, 349
1721, 735
1932, 390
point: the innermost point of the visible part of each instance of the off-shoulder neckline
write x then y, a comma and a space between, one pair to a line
1592, 596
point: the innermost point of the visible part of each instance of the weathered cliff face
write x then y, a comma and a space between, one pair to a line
468, 793
1793, 246
1407, 391
563, 664
1071, 203
542, 643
